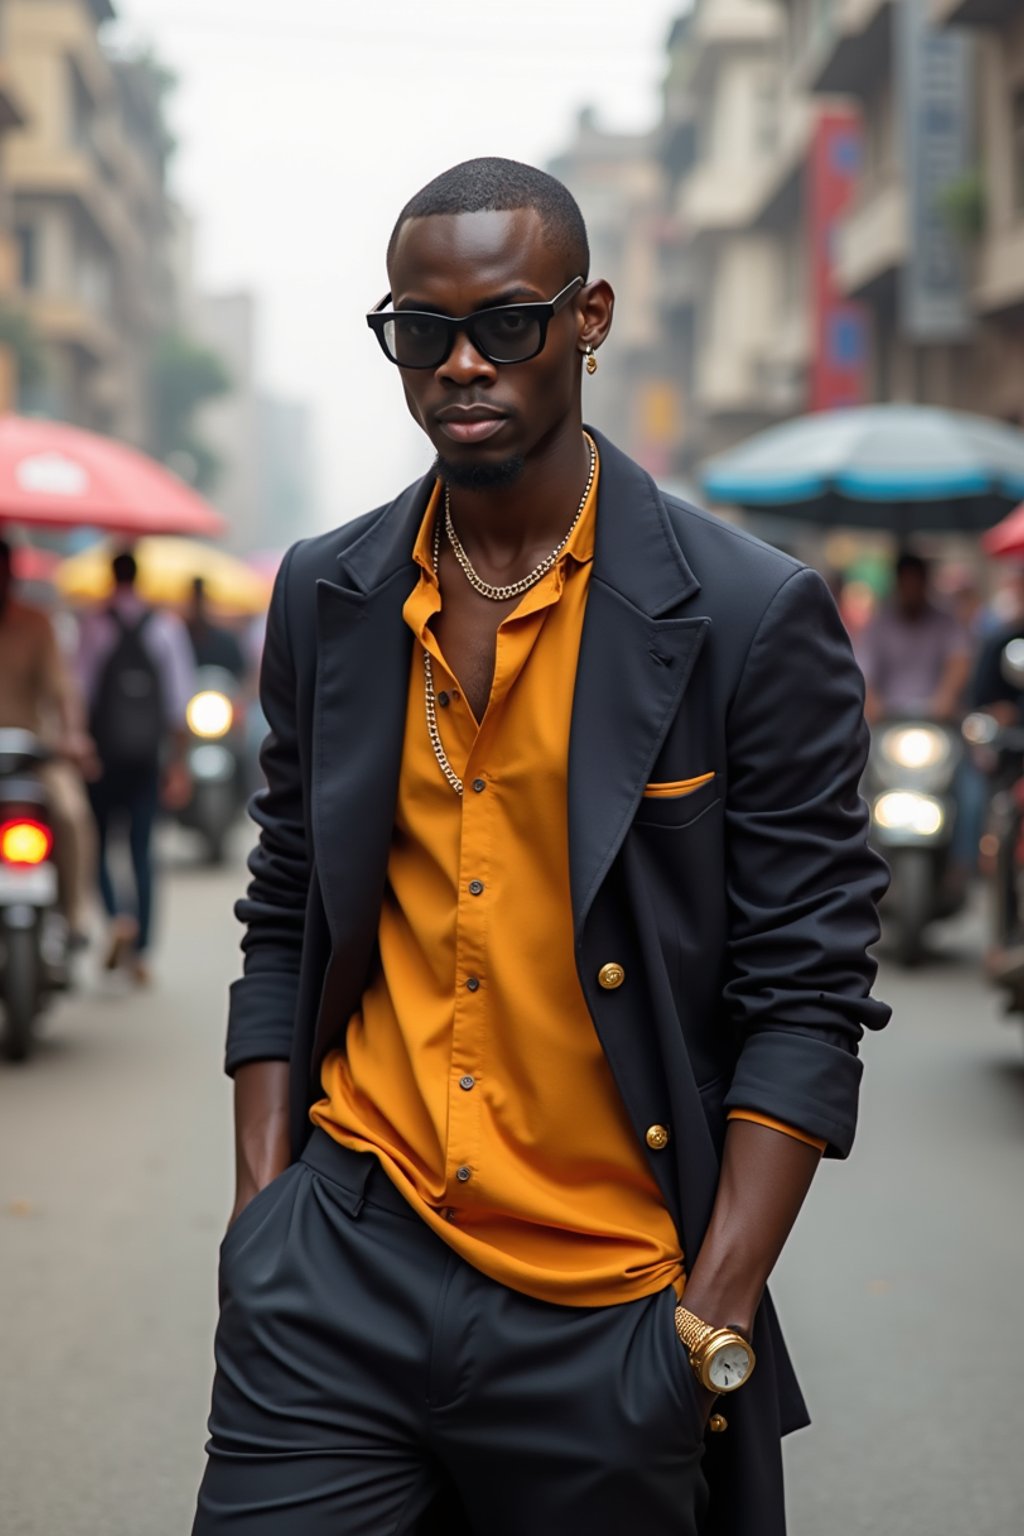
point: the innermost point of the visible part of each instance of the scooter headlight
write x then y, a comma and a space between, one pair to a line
915, 747
210, 715
903, 811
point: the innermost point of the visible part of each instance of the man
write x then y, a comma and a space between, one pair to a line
137, 675
915, 657
212, 644
37, 695
561, 862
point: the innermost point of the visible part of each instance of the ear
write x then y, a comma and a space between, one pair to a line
594, 308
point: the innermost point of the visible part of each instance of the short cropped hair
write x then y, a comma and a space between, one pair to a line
491, 183
125, 568
910, 563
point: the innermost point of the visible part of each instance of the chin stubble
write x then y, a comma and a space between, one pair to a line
480, 477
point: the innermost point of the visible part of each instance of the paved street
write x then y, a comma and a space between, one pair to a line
901, 1291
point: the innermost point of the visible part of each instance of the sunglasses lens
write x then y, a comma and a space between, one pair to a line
416, 341
507, 335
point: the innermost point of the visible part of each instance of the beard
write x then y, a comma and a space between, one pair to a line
480, 477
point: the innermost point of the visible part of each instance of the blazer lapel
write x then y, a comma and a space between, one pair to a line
633, 668
363, 652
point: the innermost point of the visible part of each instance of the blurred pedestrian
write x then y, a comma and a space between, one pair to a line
137, 676
915, 657
38, 694
213, 645
562, 866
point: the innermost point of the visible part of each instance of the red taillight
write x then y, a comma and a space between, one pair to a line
25, 842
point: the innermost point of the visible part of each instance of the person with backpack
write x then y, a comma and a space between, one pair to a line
137, 676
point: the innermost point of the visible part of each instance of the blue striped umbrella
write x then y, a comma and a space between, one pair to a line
903, 467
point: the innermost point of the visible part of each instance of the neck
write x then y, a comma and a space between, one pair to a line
508, 523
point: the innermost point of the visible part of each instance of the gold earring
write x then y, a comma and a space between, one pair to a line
588, 353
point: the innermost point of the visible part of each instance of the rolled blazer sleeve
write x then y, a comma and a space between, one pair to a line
802, 882
262, 1013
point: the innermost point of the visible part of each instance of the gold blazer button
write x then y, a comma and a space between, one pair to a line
611, 976
657, 1137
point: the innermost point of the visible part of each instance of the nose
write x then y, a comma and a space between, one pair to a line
465, 365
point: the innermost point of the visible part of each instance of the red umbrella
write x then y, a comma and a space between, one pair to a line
1007, 537
61, 476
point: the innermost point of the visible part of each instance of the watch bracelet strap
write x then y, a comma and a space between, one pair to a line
692, 1330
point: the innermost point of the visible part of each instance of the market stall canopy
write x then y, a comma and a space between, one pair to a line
59, 476
899, 467
167, 569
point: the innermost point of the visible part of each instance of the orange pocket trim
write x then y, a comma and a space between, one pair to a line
677, 789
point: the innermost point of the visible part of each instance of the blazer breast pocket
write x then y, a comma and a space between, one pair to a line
677, 803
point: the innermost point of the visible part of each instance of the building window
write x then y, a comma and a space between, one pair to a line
26, 240
1018, 151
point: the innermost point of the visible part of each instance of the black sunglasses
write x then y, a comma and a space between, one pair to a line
508, 333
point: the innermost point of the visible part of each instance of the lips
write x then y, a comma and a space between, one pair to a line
470, 424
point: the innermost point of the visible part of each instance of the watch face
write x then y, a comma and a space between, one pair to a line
730, 1367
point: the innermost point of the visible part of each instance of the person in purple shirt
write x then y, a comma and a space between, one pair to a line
137, 675
915, 657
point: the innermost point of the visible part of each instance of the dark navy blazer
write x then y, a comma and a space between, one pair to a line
742, 913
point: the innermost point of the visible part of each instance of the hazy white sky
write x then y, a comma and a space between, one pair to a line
305, 125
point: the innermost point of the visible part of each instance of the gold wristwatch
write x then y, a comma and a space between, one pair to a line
721, 1358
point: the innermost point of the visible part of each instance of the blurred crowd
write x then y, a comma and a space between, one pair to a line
115, 693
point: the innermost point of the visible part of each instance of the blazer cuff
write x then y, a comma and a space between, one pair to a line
801, 1081
777, 1125
260, 1019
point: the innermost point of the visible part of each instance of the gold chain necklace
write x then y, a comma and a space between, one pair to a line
486, 590
516, 588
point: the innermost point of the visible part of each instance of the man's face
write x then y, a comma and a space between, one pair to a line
912, 590
480, 415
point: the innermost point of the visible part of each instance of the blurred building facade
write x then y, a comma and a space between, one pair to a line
833, 204
85, 178
264, 443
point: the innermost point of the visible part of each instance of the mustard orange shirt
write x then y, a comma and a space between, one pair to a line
472, 1069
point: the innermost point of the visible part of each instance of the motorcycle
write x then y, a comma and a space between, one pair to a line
999, 749
216, 760
910, 788
34, 938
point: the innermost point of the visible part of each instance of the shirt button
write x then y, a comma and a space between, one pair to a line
611, 976
466, 1083
472, 984
444, 700
658, 1137
479, 785
476, 887
463, 1174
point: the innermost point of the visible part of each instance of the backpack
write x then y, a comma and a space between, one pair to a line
128, 721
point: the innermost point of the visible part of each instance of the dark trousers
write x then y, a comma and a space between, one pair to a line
128, 797
362, 1367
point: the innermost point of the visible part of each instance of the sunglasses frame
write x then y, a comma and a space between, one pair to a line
543, 311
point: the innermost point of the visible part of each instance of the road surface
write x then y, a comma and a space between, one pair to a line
901, 1291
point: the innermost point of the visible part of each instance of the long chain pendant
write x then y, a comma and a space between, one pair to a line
486, 589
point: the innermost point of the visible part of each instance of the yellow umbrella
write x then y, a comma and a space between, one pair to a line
167, 569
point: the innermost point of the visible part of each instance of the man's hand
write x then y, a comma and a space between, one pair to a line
262, 1141
80, 749
176, 789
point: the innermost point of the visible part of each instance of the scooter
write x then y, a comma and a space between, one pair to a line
34, 938
909, 784
999, 750
216, 760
